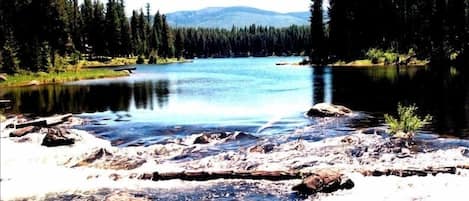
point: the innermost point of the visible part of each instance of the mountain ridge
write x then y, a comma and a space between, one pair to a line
240, 16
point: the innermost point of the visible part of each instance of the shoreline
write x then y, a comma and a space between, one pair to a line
90, 72
91, 164
35, 79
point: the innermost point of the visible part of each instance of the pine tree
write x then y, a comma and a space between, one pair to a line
98, 34
167, 40
87, 14
9, 62
318, 51
113, 29
179, 44
126, 44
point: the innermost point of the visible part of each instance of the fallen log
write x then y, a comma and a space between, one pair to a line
45, 122
289, 175
129, 69
205, 176
410, 172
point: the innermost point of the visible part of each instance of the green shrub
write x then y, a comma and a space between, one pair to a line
374, 55
390, 57
408, 121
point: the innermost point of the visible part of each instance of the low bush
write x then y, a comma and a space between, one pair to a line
407, 121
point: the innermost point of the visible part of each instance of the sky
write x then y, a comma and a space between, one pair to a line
168, 6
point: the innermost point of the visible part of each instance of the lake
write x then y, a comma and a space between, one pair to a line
253, 95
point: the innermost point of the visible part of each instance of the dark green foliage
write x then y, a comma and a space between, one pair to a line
141, 59
245, 41
318, 50
435, 29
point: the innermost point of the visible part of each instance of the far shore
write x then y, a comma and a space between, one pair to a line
88, 70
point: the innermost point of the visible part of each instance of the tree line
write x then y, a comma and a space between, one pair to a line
240, 42
37, 35
434, 29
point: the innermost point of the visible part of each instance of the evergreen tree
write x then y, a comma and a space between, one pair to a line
318, 52
113, 29
9, 62
98, 34
126, 44
179, 44
167, 40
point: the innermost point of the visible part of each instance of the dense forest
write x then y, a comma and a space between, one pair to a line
433, 29
37, 35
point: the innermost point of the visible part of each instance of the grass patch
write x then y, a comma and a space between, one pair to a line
25, 78
407, 121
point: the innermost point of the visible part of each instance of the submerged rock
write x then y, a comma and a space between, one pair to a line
57, 137
328, 110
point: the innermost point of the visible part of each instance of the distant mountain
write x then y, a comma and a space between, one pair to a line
226, 17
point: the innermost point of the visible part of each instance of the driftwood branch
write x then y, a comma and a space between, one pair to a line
45, 122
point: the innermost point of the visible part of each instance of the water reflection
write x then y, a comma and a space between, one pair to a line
252, 93
322, 84
53, 99
443, 94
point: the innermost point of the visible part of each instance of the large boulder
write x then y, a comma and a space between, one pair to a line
324, 181
328, 110
57, 137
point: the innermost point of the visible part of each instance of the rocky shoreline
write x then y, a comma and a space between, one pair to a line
79, 163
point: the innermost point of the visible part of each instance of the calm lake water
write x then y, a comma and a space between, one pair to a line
253, 95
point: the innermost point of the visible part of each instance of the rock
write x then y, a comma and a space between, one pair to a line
266, 148
206, 138
236, 136
465, 152
57, 137
115, 177
24, 131
325, 181
33, 83
358, 151
103, 159
328, 110
123, 196
3, 78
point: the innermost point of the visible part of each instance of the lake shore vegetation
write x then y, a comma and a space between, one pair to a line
370, 32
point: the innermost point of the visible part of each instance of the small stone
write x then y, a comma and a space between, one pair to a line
266, 148
115, 177
465, 152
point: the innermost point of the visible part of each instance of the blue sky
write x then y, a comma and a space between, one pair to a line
167, 6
